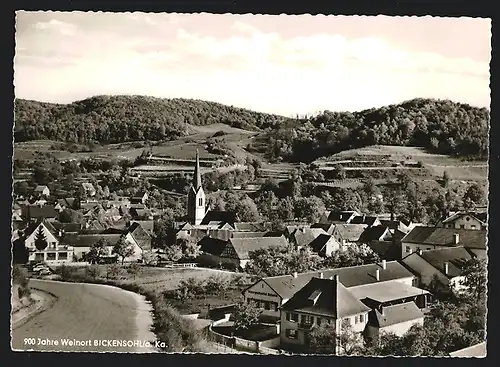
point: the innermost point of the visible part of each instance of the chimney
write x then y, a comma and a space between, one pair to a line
321, 275
446, 268
377, 274
384, 264
295, 274
456, 238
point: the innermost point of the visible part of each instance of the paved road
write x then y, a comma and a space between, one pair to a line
84, 315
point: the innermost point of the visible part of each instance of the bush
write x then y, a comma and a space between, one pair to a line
217, 284
190, 288
19, 277
92, 272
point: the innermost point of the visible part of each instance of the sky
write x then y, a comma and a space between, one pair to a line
283, 64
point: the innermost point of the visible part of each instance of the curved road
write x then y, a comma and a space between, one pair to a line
93, 318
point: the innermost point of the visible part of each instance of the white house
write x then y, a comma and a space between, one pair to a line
42, 242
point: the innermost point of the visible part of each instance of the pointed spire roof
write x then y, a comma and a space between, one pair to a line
197, 172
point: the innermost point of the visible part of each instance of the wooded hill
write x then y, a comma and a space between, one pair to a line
442, 126
117, 119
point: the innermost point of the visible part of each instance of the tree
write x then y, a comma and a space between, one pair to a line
349, 342
133, 269
40, 239
474, 196
190, 248
70, 216
173, 253
123, 248
246, 315
149, 258
325, 339
475, 278
353, 255
309, 208
98, 250
92, 271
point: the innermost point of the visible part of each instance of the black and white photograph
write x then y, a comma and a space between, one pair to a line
250, 184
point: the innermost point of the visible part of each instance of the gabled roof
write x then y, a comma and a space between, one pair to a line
376, 233
87, 186
386, 291
328, 297
456, 257
247, 234
338, 217
41, 188
363, 219
87, 240
350, 232
481, 217
438, 236
328, 228
219, 216
147, 225
45, 211
243, 246
395, 314
140, 235
32, 227
287, 285
67, 227
248, 227
212, 246
307, 235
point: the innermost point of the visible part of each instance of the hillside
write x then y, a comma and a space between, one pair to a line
116, 119
440, 126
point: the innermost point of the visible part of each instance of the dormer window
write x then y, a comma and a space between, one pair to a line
467, 219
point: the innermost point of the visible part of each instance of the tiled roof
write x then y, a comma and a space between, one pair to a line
328, 297
328, 228
243, 246
67, 227
248, 227
45, 211
375, 233
306, 236
363, 219
386, 291
478, 350
445, 237
247, 234
287, 285
33, 226
341, 216
482, 217
89, 240
147, 225
350, 232
456, 257
219, 216
212, 246
396, 314
319, 243
40, 188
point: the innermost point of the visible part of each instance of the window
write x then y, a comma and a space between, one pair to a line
462, 226
39, 256
418, 249
361, 318
473, 226
318, 321
429, 248
307, 319
63, 256
51, 255
356, 319
294, 317
291, 333
200, 201
408, 249
267, 305
347, 321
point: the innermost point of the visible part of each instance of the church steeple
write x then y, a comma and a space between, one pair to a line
197, 173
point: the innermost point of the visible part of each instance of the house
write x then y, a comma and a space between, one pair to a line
444, 264
249, 234
140, 213
211, 251
433, 238
325, 245
386, 243
67, 227
347, 234
328, 228
147, 225
248, 227
338, 217
82, 243
42, 191
235, 253
270, 293
477, 350
140, 197
42, 241
303, 237
466, 220
396, 319
139, 238
320, 301
225, 217
88, 189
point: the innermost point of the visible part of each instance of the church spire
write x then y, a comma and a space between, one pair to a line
197, 173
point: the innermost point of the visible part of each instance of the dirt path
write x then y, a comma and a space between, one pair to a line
87, 317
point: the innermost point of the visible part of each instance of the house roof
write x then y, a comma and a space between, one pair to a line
147, 225
304, 237
363, 219
137, 232
438, 236
456, 257
66, 202
212, 246
480, 216
328, 297
287, 285
87, 186
477, 350
87, 240
396, 314
67, 227
328, 228
248, 227
374, 233
247, 234
219, 216
386, 291
350, 232
44, 211
340, 216
243, 246
33, 226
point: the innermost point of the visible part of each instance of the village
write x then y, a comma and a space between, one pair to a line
389, 294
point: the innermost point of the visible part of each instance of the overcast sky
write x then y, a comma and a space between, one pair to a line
279, 64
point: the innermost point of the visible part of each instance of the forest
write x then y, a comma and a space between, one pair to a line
441, 126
